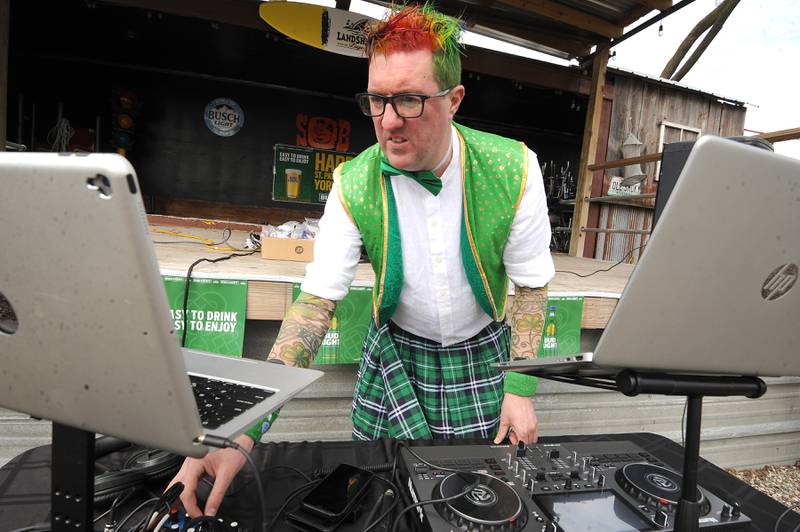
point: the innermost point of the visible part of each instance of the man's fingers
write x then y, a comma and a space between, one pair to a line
221, 484
502, 431
188, 475
189, 501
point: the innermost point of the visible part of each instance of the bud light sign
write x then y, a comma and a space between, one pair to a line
224, 117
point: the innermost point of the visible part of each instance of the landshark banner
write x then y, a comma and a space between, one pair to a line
326, 28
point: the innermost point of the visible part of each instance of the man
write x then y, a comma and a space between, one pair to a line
447, 215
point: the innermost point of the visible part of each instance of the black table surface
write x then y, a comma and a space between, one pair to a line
25, 481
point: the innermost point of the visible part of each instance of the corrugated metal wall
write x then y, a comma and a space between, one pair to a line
737, 432
616, 246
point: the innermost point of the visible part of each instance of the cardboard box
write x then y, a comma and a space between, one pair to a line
287, 249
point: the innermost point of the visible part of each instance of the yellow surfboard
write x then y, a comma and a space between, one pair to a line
326, 28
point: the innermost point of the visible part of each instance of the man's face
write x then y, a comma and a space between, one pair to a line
412, 143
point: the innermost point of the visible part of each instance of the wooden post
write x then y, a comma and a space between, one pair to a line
588, 151
5, 10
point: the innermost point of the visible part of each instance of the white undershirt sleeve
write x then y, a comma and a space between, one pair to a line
337, 249
527, 253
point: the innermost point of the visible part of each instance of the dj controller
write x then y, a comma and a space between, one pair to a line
561, 487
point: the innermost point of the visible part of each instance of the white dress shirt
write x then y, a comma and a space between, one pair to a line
436, 301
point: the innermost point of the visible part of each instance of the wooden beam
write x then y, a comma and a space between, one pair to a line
619, 163
234, 12
5, 13
568, 15
661, 5
784, 134
593, 220
633, 15
588, 152
574, 47
524, 70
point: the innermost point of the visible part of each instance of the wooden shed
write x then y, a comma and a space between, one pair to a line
653, 112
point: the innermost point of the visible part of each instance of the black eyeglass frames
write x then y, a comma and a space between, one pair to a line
407, 105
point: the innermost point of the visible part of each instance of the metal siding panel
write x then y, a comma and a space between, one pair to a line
762, 431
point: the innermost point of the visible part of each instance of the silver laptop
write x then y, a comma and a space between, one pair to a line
716, 289
93, 345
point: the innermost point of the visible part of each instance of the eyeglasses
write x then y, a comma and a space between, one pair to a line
406, 105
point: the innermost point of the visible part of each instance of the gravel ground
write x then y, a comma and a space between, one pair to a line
782, 483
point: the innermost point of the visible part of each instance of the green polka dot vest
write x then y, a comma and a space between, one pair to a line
493, 171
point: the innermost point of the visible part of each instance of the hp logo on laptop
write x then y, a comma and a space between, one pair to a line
780, 281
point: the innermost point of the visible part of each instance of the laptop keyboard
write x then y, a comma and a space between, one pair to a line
219, 401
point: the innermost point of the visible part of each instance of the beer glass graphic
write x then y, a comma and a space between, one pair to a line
293, 177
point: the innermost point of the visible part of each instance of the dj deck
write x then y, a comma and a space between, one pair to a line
555, 487
603, 483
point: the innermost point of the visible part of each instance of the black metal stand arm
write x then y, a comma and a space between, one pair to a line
694, 387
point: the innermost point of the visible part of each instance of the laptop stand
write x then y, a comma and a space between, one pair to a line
72, 480
694, 387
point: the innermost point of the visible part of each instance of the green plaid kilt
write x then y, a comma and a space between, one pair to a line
409, 387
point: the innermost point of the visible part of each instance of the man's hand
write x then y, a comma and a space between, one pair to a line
222, 465
517, 413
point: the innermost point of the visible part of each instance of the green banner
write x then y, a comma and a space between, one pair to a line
304, 175
562, 326
215, 316
349, 325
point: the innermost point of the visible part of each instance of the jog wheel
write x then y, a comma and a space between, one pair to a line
492, 505
657, 486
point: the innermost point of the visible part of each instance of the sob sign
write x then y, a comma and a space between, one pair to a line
322, 132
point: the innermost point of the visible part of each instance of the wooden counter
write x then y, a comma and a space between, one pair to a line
269, 291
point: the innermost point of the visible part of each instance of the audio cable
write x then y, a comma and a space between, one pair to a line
464, 492
167, 498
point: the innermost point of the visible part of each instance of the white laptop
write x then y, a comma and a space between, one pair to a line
88, 340
716, 290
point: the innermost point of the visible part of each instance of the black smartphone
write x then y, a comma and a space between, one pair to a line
308, 522
335, 496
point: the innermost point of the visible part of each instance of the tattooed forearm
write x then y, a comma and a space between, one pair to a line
302, 331
526, 319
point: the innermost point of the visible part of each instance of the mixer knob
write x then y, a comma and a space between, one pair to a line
601, 481
521, 449
736, 511
568, 484
726, 511
524, 475
508, 459
554, 454
662, 519
574, 457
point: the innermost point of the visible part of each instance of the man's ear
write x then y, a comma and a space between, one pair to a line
456, 95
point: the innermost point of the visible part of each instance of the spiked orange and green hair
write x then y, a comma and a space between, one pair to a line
421, 27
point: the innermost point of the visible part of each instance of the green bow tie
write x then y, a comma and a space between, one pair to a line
426, 178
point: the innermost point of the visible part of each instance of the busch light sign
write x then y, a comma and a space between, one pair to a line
224, 117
